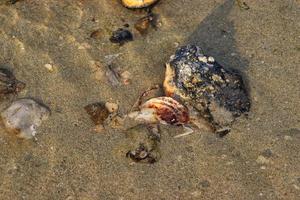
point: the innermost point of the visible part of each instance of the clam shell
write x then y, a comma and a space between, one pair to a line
138, 3
165, 110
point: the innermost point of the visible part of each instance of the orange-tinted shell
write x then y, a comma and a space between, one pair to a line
165, 110
138, 3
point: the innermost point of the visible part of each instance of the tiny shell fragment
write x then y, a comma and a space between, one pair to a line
23, 116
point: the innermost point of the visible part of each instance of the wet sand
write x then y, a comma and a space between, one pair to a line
259, 159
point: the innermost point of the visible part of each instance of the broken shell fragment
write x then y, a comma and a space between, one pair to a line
24, 116
217, 92
164, 110
8, 83
98, 112
138, 3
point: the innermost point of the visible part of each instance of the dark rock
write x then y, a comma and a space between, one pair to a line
121, 36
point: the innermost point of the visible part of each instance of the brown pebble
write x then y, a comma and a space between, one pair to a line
98, 112
142, 25
97, 34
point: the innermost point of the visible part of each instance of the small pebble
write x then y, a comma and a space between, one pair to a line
267, 153
121, 36
262, 160
98, 112
97, 34
111, 107
49, 67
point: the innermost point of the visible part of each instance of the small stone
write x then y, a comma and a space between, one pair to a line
98, 112
204, 184
99, 128
121, 36
111, 107
262, 160
142, 25
97, 34
126, 76
267, 153
287, 137
49, 67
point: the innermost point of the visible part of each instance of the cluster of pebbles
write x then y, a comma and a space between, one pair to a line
197, 91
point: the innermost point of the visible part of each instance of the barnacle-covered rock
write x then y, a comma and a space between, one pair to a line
23, 116
8, 83
218, 93
138, 3
164, 110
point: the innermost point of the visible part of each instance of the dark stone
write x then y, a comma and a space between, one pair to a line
121, 36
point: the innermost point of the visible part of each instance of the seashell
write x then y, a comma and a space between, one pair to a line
138, 3
8, 83
165, 110
217, 92
23, 116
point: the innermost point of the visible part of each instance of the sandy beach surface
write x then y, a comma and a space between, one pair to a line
258, 159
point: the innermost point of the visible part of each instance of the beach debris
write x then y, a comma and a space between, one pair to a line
113, 75
143, 145
8, 83
141, 153
112, 107
164, 110
138, 3
143, 24
49, 67
98, 112
24, 116
217, 93
121, 36
126, 77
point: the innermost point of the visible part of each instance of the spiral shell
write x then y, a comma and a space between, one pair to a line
164, 110
138, 3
